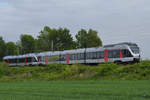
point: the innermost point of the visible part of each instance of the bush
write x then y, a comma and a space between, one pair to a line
107, 71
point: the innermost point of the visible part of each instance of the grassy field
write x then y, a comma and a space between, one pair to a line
75, 90
107, 71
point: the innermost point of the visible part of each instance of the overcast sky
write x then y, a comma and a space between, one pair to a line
115, 20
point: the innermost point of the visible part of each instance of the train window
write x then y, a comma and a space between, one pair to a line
110, 54
72, 56
126, 53
29, 59
63, 57
48, 58
60, 57
82, 56
34, 60
78, 56
43, 59
21, 60
116, 53
12, 61
87, 55
98, 55
94, 55
102, 54
91, 55
6, 60
75, 56
39, 59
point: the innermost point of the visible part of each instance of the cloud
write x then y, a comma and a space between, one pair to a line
115, 20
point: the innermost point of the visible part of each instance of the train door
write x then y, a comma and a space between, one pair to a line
8, 62
67, 58
106, 55
46, 60
25, 63
121, 55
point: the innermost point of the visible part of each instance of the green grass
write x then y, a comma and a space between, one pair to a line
75, 90
107, 71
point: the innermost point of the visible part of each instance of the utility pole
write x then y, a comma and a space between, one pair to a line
52, 47
85, 52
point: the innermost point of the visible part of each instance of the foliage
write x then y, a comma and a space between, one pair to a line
50, 40
3, 48
55, 39
11, 48
88, 39
108, 71
27, 43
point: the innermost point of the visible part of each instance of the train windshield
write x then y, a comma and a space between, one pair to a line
135, 49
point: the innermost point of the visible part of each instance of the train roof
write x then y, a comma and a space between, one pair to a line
49, 53
123, 43
20, 56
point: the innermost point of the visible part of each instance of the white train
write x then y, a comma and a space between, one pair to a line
21, 60
118, 53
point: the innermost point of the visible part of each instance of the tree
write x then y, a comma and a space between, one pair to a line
82, 38
55, 39
2, 48
19, 48
43, 43
11, 48
88, 39
93, 39
64, 40
27, 43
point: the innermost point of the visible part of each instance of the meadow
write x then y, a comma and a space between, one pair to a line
75, 90
107, 71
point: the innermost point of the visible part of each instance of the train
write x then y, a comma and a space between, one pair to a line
126, 52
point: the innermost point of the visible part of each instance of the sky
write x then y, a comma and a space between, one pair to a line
115, 20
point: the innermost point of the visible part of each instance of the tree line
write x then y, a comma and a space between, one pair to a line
50, 39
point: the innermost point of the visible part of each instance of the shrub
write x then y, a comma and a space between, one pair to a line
107, 71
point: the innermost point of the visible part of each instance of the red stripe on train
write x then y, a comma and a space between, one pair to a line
46, 61
25, 63
106, 55
39, 60
121, 56
8, 62
67, 60
31, 59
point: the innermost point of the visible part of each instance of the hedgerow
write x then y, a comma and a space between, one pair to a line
107, 71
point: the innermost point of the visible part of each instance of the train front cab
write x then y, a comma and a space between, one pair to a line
135, 52
120, 56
